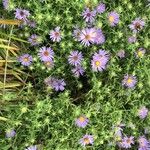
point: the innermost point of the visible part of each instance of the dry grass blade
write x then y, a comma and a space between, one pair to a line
11, 22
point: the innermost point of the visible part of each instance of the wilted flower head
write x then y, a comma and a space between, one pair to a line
34, 147
137, 25
22, 14
113, 18
82, 121
78, 70
55, 35
144, 144
132, 39
5, 4
143, 112
140, 52
56, 84
86, 140
76, 34
129, 81
31, 23
25, 59
75, 58
49, 64
34, 39
121, 53
127, 141
10, 133
46, 54
101, 8
89, 15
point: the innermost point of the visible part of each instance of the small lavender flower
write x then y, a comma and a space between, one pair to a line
34, 39
50, 81
137, 25
101, 8
22, 14
121, 53
102, 54
59, 85
10, 133
46, 54
55, 35
75, 58
88, 36
82, 121
140, 52
33, 147
129, 81
132, 39
78, 70
98, 64
25, 59
113, 18
143, 112
144, 144
5, 4
89, 15
99, 38
86, 140
127, 141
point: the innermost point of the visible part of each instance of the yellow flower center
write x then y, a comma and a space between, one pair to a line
87, 37
140, 54
26, 59
111, 19
129, 80
86, 140
82, 119
97, 63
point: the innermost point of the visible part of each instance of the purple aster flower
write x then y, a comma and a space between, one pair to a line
100, 8
121, 53
88, 36
5, 4
10, 133
113, 18
33, 147
89, 15
99, 38
49, 64
59, 85
34, 39
98, 64
129, 81
75, 58
132, 39
143, 112
46, 54
127, 141
86, 140
144, 144
76, 34
82, 121
137, 25
25, 59
55, 35
140, 52
22, 14
78, 70
118, 134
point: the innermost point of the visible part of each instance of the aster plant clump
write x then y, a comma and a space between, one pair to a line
85, 75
